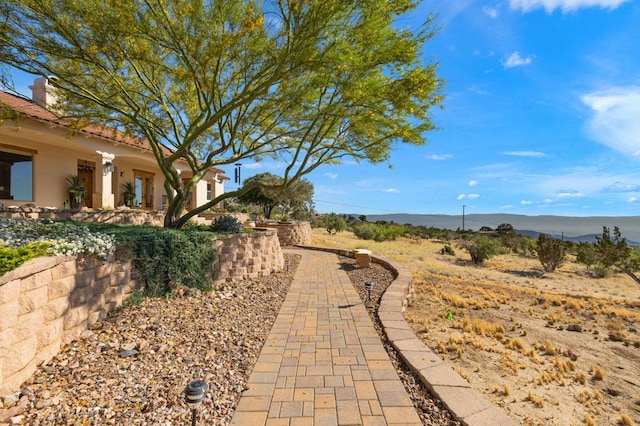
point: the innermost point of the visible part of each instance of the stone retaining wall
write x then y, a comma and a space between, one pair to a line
291, 234
50, 301
122, 216
250, 255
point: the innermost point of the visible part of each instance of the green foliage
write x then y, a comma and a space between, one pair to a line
614, 251
12, 257
334, 223
271, 192
165, 258
586, 254
226, 225
482, 248
505, 228
306, 82
550, 252
447, 250
379, 231
65, 238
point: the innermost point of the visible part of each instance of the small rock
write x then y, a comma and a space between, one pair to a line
575, 327
128, 353
128, 346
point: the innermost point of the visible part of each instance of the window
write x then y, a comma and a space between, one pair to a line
16, 175
208, 191
143, 183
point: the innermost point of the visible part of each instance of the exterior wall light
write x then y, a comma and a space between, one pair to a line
108, 167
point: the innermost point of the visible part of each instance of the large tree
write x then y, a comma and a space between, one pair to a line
306, 82
269, 192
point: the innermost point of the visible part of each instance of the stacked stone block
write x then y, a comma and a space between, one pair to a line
291, 234
50, 301
246, 256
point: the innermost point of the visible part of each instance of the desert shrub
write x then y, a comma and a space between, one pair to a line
226, 225
601, 271
447, 250
550, 252
12, 257
482, 248
379, 231
334, 223
166, 258
586, 254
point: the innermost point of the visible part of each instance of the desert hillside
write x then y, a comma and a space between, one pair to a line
560, 348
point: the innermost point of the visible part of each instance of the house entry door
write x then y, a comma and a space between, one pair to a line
143, 182
86, 176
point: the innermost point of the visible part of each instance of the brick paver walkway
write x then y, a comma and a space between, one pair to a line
323, 363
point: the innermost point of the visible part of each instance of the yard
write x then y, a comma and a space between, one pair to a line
561, 348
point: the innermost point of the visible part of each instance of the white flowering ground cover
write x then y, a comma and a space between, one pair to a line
65, 239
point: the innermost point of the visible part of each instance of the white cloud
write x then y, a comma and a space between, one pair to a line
331, 175
564, 5
473, 183
467, 197
632, 200
391, 190
621, 187
615, 122
525, 153
515, 60
253, 166
569, 193
491, 12
439, 157
526, 203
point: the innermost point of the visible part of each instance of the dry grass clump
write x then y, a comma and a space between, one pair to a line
588, 420
589, 398
597, 373
537, 400
625, 420
480, 327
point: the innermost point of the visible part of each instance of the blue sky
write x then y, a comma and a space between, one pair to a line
542, 116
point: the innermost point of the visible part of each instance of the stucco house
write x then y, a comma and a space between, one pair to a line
38, 152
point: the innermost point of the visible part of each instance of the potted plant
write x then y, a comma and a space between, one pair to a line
76, 192
129, 194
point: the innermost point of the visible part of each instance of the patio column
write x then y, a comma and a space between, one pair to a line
107, 197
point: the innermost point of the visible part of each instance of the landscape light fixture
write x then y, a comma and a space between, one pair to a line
368, 285
194, 395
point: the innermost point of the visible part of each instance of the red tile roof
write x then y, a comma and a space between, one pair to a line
32, 110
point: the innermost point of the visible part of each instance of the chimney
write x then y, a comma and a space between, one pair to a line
43, 93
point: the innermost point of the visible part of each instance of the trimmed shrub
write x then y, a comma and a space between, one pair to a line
12, 257
226, 225
166, 258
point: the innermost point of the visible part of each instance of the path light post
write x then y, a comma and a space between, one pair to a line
194, 395
369, 286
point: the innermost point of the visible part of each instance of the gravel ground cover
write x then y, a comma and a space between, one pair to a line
133, 367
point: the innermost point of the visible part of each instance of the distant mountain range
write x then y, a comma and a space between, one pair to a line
570, 228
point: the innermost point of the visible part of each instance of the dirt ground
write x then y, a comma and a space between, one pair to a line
559, 348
